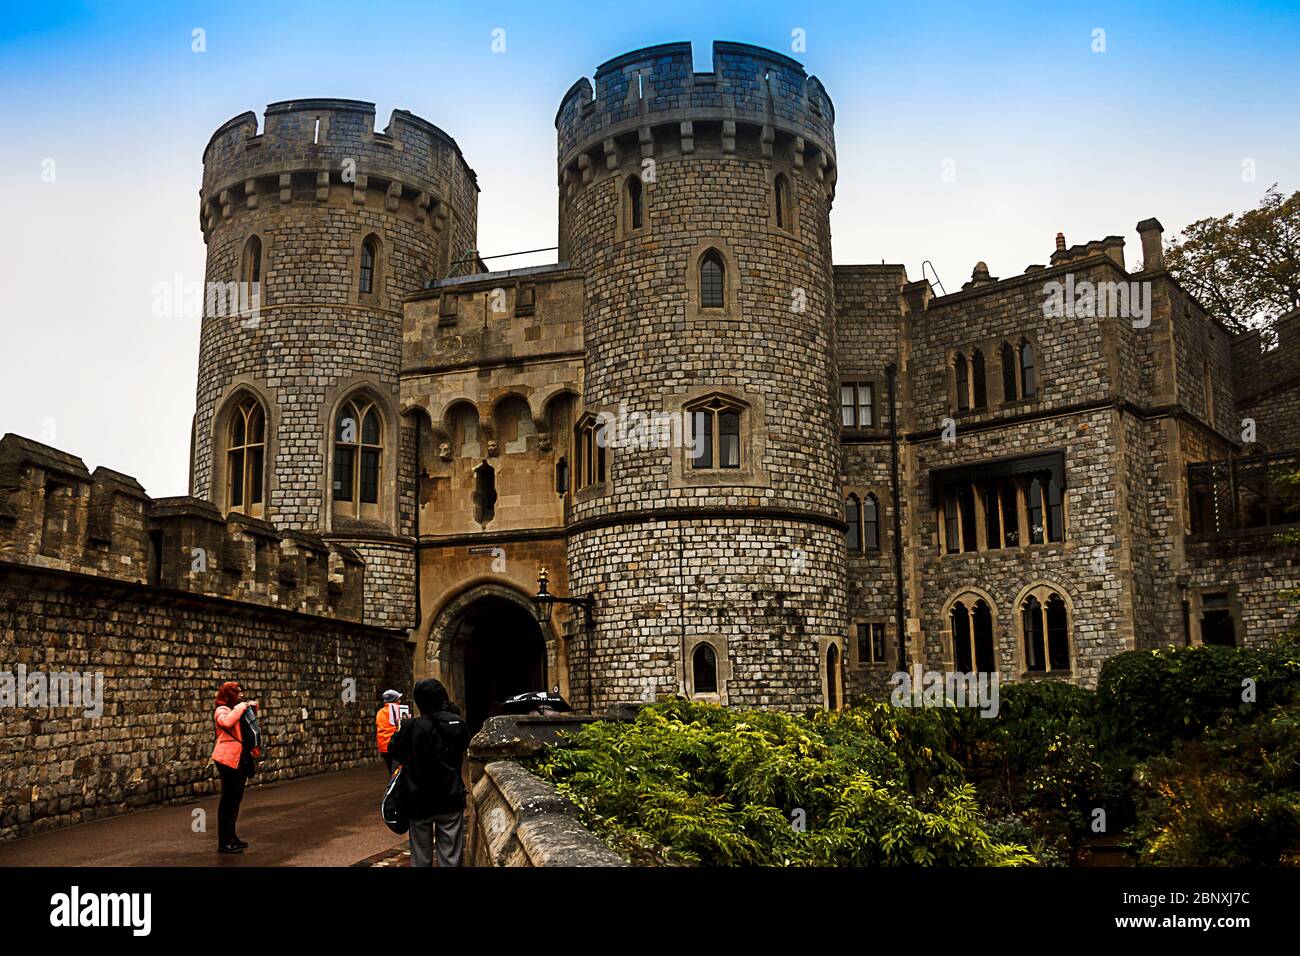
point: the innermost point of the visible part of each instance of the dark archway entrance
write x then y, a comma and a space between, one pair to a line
503, 654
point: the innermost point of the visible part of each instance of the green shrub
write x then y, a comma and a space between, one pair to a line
1232, 799
1147, 700
697, 783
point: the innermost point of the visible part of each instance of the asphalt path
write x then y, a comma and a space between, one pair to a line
330, 819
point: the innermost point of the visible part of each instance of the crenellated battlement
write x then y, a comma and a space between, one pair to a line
307, 146
657, 88
1265, 360
55, 513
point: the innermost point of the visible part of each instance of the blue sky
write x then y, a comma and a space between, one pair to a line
1044, 135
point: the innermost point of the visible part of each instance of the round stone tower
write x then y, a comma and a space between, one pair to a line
697, 206
316, 228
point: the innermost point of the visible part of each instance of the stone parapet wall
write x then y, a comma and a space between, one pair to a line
659, 84
162, 654
55, 514
520, 820
516, 818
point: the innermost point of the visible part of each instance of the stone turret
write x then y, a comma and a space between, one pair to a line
697, 207
322, 224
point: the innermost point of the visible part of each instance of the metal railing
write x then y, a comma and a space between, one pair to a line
1241, 493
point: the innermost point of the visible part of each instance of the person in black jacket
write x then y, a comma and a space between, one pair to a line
431, 749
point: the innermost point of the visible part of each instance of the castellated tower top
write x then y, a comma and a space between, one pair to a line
658, 86
304, 144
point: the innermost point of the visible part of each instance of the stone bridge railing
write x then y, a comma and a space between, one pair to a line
515, 817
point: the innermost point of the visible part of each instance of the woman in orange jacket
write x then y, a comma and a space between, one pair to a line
228, 755
386, 723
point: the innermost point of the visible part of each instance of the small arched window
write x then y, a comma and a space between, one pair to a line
963, 382
251, 267
704, 669
484, 497
369, 256
712, 281
832, 678
853, 518
1028, 379
635, 203
871, 523
780, 199
1007, 357
246, 458
978, 385
358, 458
589, 452
562, 476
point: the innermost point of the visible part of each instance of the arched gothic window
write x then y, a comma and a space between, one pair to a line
871, 523
832, 678
1028, 379
358, 458
246, 458
713, 275
251, 264
1010, 377
971, 621
704, 669
369, 257
780, 200
978, 386
1045, 631
963, 382
853, 517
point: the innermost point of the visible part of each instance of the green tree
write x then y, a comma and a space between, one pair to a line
1244, 268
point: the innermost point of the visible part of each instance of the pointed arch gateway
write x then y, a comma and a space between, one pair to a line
485, 645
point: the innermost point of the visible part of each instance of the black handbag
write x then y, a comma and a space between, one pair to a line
394, 807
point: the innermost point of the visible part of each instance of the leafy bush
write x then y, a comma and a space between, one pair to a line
1147, 700
1232, 799
689, 783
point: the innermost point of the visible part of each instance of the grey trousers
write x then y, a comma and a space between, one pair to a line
450, 829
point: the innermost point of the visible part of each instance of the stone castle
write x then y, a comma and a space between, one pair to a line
777, 479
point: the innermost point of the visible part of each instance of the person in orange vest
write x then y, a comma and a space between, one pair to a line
386, 723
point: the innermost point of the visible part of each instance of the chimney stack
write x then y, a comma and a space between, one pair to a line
1153, 250
1060, 242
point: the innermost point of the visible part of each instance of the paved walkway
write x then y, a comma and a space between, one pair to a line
330, 819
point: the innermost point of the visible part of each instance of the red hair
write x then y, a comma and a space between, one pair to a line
227, 693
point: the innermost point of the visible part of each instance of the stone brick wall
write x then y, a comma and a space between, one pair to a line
167, 599
163, 653
1267, 381
1259, 575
